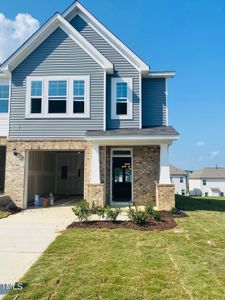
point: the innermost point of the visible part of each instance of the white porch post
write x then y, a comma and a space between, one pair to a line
164, 165
95, 165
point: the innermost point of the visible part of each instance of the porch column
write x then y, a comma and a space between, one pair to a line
95, 165
164, 165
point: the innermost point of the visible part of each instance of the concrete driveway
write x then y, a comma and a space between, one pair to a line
24, 237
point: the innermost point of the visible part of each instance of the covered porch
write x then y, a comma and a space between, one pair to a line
131, 167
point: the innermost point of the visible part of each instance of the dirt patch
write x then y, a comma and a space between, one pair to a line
180, 214
167, 222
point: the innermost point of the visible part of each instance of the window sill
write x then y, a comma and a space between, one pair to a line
57, 116
121, 117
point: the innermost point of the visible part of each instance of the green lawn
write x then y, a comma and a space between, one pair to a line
4, 214
185, 263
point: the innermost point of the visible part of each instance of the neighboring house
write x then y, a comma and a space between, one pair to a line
82, 114
208, 182
180, 179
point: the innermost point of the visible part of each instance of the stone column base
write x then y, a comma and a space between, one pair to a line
95, 193
165, 196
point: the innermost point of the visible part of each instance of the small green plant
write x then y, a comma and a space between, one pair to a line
82, 210
156, 215
101, 212
149, 209
137, 216
94, 208
112, 213
174, 210
97, 210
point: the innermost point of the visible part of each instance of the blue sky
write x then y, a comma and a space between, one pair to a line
185, 36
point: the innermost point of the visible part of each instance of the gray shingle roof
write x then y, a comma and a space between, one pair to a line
208, 173
176, 171
159, 130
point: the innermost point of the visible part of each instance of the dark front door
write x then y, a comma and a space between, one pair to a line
121, 179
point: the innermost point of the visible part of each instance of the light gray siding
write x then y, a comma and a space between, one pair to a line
154, 106
122, 69
57, 55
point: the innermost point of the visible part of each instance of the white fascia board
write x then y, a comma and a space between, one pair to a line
55, 22
169, 74
132, 140
79, 9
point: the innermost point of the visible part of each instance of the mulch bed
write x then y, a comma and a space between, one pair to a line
180, 214
167, 222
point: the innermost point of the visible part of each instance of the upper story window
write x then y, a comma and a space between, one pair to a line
4, 98
121, 98
54, 96
57, 96
204, 181
181, 179
78, 96
36, 96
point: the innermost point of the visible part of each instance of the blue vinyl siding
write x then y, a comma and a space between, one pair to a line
122, 69
153, 102
57, 55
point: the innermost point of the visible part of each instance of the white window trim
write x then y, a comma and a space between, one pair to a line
129, 115
45, 102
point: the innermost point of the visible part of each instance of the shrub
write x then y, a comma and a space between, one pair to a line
149, 209
94, 208
82, 210
101, 212
156, 215
112, 213
174, 210
7, 204
137, 216
97, 210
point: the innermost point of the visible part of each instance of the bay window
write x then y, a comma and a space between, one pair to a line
58, 96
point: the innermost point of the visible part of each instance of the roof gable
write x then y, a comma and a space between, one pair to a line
77, 9
57, 21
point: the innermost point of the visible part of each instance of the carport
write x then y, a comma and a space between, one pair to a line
57, 172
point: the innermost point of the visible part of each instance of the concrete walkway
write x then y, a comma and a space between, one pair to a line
24, 237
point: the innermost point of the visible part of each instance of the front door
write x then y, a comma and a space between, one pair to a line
121, 178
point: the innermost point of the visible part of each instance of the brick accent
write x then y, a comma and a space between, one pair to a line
3, 141
165, 196
146, 161
15, 165
96, 194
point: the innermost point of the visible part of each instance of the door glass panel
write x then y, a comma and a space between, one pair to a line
122, 179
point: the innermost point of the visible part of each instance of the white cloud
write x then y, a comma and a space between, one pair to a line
14, 32
200, 144
214, 154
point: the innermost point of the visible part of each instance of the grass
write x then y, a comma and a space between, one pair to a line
185, 263
4, 214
